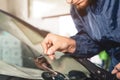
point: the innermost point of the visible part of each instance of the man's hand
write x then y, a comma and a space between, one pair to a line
80, 4
53, 43
116, 71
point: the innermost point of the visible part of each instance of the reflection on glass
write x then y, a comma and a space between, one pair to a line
14, 52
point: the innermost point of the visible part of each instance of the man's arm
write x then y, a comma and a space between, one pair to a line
85, 46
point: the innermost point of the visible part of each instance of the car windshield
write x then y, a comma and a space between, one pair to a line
20, 44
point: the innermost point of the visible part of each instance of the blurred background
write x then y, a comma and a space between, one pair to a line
50, 15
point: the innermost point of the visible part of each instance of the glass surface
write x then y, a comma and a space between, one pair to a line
18, 50
17, 47
15, 52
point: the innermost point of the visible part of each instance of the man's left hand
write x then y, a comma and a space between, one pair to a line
116, 70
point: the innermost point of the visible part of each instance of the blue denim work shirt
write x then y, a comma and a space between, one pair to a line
98, 30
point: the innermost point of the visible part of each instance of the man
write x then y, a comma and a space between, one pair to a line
98, 25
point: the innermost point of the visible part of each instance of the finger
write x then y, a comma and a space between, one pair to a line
118, 75
52, 57
76, 2
114, 71
52, 50
72, 1
46, 44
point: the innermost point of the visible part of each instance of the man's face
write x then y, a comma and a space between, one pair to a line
80, 4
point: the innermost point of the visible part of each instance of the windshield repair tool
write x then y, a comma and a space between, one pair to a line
97, 73
49, 73
43, 64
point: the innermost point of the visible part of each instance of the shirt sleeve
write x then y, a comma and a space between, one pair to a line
85, 46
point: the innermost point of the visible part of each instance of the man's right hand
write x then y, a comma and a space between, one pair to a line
53, 43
